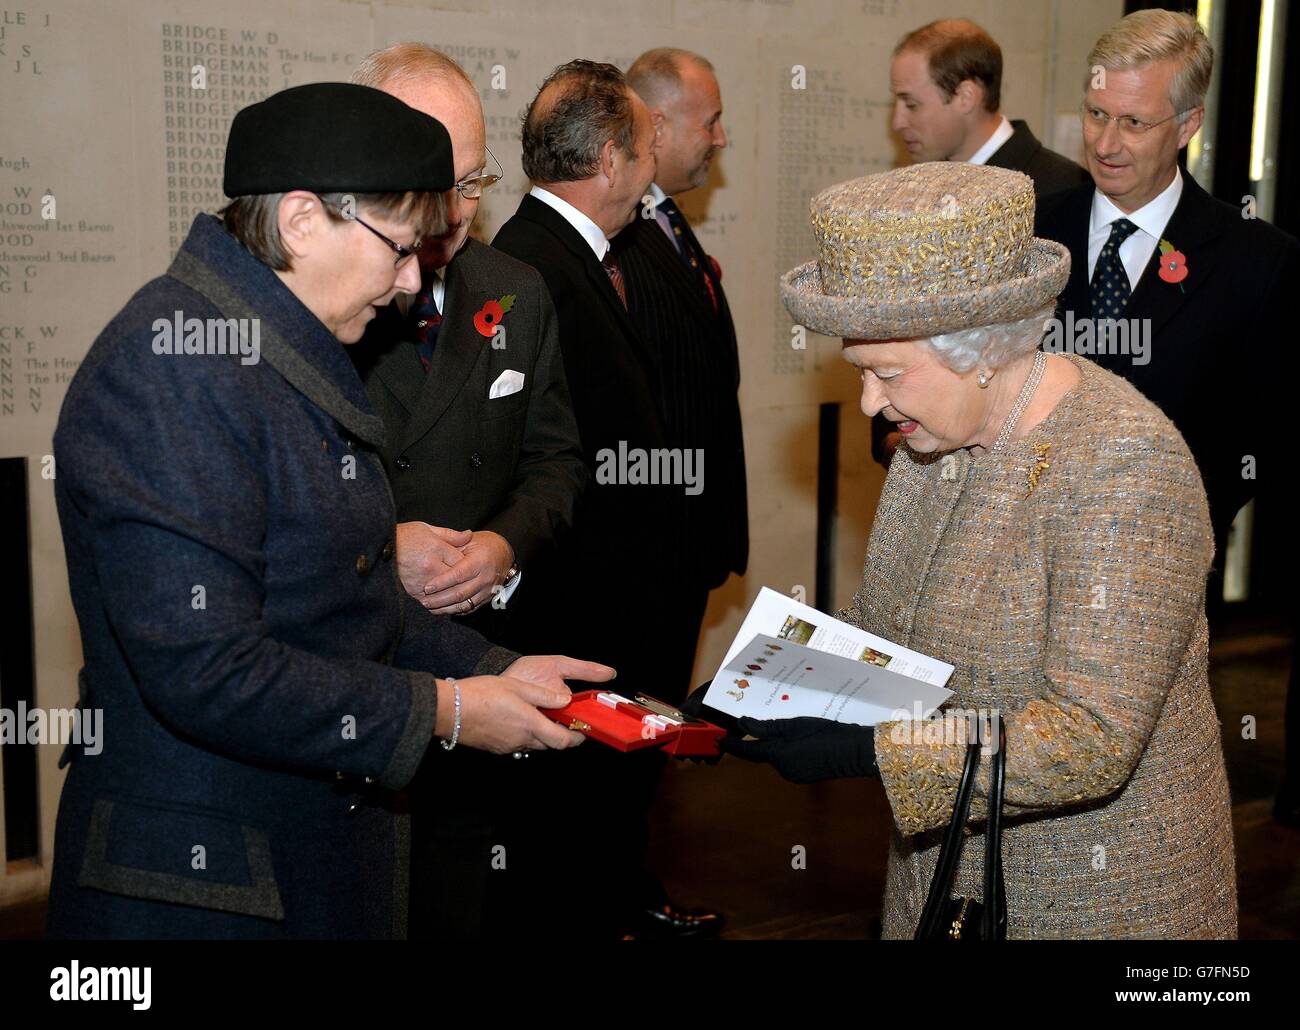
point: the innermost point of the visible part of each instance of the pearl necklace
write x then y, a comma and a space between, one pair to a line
1026, 392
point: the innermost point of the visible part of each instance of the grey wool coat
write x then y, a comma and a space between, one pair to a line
266, 684
1077, 610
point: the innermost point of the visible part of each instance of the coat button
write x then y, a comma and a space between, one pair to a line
403, 462
476, 459
363, 564
324, 445
387, 552
339, 777
354, 808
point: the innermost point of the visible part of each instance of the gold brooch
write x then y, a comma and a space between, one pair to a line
1041, 464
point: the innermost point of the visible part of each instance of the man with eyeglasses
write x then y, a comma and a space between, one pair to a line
1149, 246
486, 467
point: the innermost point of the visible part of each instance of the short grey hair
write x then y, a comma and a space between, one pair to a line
404, 61
254, 220
578, 108
992, 346
1154, 35
657, 74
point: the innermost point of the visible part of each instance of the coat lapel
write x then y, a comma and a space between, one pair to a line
682, 278
399, 366
307, 361
1018, 150
458, 349
1074, 221
1192, 229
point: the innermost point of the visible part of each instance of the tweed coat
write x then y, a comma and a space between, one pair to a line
1077, 610
265, 681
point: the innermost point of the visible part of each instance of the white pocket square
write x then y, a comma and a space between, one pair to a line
508, 382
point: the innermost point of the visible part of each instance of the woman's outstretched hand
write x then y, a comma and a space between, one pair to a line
805, 750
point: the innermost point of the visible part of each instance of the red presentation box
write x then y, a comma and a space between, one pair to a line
630, 724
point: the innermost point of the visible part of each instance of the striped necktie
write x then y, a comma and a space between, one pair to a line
689, 250
615, 275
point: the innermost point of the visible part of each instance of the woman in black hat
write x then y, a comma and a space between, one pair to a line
265, 682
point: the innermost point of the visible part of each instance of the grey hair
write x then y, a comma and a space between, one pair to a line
254, 220
565, 127
992, 346
1154, 35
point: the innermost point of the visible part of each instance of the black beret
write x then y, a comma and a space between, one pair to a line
334, 137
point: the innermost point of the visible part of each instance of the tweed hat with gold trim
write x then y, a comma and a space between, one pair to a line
927, 249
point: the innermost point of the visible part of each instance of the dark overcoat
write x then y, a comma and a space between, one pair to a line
264, 680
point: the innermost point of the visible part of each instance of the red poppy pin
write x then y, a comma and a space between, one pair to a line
490, 314
1173, 264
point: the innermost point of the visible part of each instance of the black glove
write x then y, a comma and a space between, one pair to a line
694, 704
806, 750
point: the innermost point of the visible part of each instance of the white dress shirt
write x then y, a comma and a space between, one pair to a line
591, 232
1150, 219
1001, 134
661, 219
438, 288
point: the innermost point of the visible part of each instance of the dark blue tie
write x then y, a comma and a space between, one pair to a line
425, 321
688, 247
1110, 286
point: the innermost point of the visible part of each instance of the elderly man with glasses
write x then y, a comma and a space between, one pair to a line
1189, 285
486, 466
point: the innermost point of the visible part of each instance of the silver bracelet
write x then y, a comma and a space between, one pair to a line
447, 745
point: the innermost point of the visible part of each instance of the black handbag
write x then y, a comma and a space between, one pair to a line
960, 918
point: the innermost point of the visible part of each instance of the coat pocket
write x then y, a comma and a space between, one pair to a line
185, 855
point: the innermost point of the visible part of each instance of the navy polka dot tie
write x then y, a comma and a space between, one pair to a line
1110, 287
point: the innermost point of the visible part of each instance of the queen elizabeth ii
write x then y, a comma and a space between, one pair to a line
1044, 529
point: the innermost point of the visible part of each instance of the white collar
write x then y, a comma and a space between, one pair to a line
659, 195
1001, 134
1151, 217
591, 232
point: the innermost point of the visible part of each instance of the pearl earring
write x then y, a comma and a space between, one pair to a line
983, 380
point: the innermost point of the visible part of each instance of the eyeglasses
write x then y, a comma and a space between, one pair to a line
1129, 126
472, 188
404, 254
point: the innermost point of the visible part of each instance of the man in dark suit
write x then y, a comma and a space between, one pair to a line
1147, 243
676, 299
588, 147
482, 452
946, 79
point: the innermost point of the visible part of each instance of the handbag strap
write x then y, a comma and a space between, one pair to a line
994, 917
936, 901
